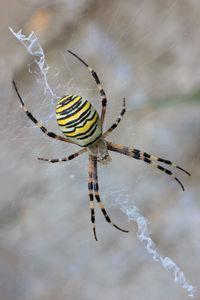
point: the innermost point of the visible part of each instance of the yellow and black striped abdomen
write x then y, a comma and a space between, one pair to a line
78, 120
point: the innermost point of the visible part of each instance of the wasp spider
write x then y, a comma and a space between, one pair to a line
81, 124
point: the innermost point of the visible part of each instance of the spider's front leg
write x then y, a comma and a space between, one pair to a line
96, 193
148, 158
91, 195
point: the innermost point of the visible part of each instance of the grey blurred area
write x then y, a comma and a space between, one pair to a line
148, 52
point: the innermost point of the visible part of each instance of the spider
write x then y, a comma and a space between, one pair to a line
81, 124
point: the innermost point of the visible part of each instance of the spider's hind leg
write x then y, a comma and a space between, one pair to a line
38, 124
99, 85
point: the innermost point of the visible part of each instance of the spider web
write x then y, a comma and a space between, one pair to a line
122, 199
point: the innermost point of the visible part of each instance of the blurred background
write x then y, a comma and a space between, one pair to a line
148, 52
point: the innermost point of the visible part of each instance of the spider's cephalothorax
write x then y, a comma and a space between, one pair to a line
81, 125
100, 150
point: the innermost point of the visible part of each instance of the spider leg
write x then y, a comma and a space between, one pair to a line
137, 154
91, 194
114, 125
96, 193
70, 157
99, 85
165, 161
51, 134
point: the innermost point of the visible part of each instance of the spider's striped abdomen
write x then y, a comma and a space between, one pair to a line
78, 120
